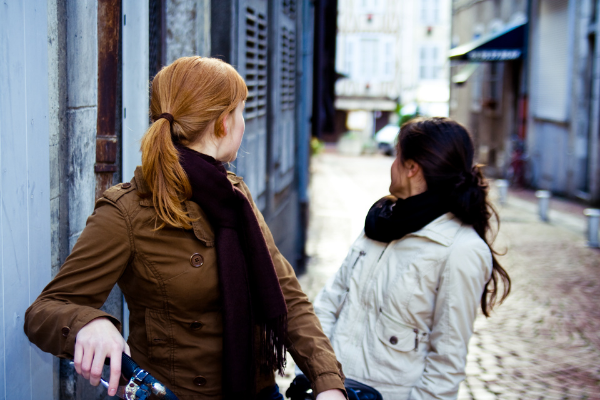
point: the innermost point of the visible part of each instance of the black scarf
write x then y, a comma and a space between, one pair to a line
248, 281
391, 219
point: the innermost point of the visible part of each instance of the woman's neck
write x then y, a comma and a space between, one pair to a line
210, 149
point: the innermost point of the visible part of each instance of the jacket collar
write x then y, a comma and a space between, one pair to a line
441, 230
202, 228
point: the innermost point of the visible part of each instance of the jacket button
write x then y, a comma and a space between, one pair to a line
65, 331
394, 340
196, 260
126, 185
200, 380
196, 325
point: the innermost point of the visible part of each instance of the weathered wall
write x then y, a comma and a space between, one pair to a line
73, 101
82, 99
188, 28
25, 371
57, 125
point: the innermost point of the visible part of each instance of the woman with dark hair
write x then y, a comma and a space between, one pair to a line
400, 310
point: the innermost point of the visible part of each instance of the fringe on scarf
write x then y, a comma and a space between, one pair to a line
272, 345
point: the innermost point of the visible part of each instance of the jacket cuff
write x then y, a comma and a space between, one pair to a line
325, 372
71, 331
327, 382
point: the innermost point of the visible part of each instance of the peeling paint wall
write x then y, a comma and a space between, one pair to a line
73, 104
82, 99
25, 244
188, 28
57, 121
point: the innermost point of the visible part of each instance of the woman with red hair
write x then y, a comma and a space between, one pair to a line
213, 304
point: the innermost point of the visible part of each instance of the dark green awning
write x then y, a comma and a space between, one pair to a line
505, 45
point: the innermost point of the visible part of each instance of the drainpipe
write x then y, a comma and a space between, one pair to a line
109, 16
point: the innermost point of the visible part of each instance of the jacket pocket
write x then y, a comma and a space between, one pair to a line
157, 331
394, 356
397, 336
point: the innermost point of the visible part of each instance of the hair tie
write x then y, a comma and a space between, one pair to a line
166, 116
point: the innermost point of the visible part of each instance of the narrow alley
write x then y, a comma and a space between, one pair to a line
543, 342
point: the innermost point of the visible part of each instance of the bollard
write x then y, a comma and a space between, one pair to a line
593, 219
543, 204
502, 185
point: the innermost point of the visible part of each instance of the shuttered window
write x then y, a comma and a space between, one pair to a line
252, 64
256, 63
282, 75
288, 69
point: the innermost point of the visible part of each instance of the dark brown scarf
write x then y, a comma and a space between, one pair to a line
250, 288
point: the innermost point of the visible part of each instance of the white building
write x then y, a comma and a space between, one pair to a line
393, 53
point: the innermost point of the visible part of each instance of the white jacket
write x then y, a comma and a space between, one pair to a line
400, 314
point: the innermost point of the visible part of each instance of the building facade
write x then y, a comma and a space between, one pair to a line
75, 104
391, 54
533, 107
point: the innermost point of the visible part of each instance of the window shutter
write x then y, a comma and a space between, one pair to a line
252, 65
283, 101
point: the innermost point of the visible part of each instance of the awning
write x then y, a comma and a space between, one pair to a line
505, 45
464, 74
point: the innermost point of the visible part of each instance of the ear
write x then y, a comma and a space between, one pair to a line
226, 125
412, 168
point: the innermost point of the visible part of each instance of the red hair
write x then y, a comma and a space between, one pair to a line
196, 91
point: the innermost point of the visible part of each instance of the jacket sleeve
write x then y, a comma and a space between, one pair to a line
461, 284
308, 345
331, 299
74, 296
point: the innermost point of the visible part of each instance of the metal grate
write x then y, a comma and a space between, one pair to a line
288, 69
289, 8
256, 63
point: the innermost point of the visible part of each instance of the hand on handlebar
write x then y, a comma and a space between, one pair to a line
95, 342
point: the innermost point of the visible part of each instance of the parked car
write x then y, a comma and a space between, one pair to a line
386, 139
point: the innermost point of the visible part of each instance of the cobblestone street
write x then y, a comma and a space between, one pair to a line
544, 341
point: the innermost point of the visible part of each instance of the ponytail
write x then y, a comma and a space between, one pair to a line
444, 151
193, 93
165, 175
472, 207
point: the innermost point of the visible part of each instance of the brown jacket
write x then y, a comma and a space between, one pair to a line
170, 281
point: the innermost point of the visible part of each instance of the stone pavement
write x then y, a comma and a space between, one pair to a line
543, 342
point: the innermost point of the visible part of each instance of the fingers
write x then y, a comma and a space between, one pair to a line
97, 366
77, 357
115, 372
97, 340
86, 362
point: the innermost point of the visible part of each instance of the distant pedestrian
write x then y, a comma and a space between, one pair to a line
213, 304
400, 310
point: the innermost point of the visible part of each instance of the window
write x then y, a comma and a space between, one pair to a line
423, 64
349, 57
369, 59
430, 62
389, 59
430, 12
372, 6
